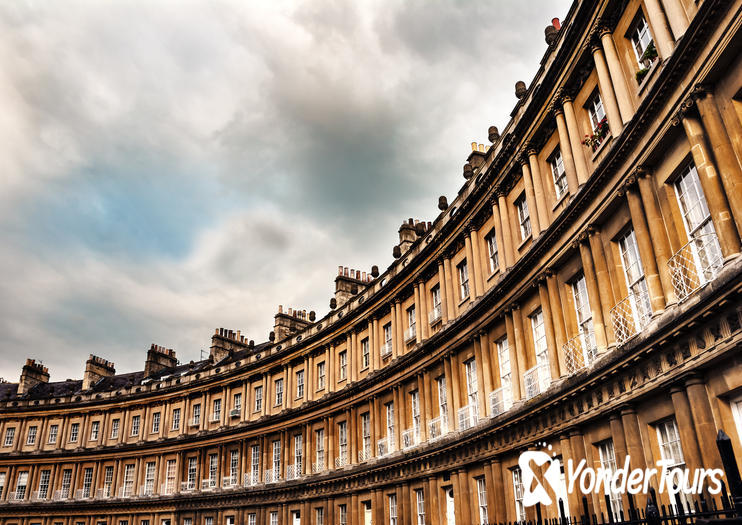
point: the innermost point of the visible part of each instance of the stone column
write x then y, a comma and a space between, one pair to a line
512, 347
507, 232
676, 17
691, 452
575, 139
487, 368
499, 238
617, 78
418, 312
374, 343
448, 282
703, 420
498, 488
646, 250
401, 345
551, 345
538, 189
427, 401
606, 90
450, 397
530, 197
573, 498
473, 270
658, 232
442, 290
593, 293
520, 348
710, 182
455, 390
634, 446
577, 447
477, 262
481, 396
663, 39
424, 326
395, 326
557, 313
605, 287
726, 161
566, 149
464, 501
432, 496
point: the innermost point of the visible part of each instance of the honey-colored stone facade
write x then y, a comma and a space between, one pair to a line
582, 295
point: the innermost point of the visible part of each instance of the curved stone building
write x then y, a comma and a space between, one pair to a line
581, 291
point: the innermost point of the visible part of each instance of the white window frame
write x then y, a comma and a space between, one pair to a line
135, 424
94, 430
482, 501
278, 384
156, 423
300, 384
520, 510
31, 437
365, 353
176, 419
321, 375
462, 269
558, 174
493, 255
524, 217
258, 398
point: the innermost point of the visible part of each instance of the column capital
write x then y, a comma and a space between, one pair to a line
500, 192
694, 378
700, 91
522, 157
512, 306
549, 272
554, 108
683, 111
642, 171
583, 237
531, 150
627, 409
563, 95
575, 432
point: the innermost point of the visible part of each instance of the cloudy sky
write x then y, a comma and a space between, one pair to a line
172, 167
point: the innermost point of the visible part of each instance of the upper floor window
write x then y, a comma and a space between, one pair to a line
584, 315
520, 510
74, 432
155, 422
196, 414
217, 411
388, 333
472, 387
114, 429
492, 251
643, 45
365, 353
539, 335
258, 398
31, 438
598, 121
300, 384
524, 219
320, 375
634, 275
558, 174
343, 358
279, 392
176, 418
237, 401
53, 431
411, 331
135, 420
463, 271
9, 436
94, 430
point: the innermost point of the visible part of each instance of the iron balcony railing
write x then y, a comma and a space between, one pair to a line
215, 418
168, 488
410, 333
365, 453
251, 478
293, 471
272, 476
386, 445
580, 351
341, 460
697, 263
83, 493
500, 400
631, 315
411, 437
208, 484
437, 427
435, 314
537, 379
17, 495
126, 492
468, 416
386, 349
146, 491
188, 486
61, 495
39, 495
104, 493
230, 482
318, 467
235, 412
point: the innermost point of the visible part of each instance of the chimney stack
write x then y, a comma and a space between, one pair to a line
96, 368
32, 374
406, 235
159, 358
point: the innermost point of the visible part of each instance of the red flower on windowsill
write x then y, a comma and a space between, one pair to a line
600, 132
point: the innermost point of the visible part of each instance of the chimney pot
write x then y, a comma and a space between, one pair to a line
493, 134
442, 203
520, 89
